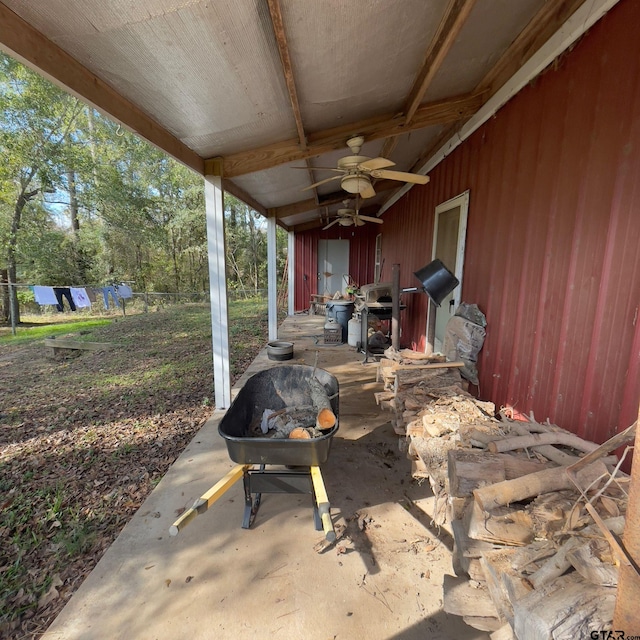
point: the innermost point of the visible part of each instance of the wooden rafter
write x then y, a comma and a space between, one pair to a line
32, 48
454, 17
329, 199
439, 112
540, 28
285, 58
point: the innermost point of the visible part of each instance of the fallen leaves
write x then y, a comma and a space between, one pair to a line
84, 441
52, 594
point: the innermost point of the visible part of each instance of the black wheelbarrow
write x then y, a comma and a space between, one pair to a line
275, 389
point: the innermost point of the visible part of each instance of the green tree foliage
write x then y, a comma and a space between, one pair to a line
84, 202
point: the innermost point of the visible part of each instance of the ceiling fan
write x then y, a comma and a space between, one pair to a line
351, 217
357, 171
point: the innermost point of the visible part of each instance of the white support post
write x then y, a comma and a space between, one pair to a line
214, 205
272, 280
291, 275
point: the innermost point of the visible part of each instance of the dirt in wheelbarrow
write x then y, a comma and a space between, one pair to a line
85, 438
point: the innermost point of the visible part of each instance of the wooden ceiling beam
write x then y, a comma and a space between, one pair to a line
29, 46
241, 194
439, 112
552, 15
324, 201
538, 30
287, 68
454, 17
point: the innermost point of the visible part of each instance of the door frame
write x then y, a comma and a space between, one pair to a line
462, 201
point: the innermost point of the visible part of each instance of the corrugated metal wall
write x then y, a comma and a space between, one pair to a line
552, 252
361, 258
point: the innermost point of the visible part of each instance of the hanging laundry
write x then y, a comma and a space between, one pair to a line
80, 297
44, 295
91, 293
124, 292
64, 292
110, 290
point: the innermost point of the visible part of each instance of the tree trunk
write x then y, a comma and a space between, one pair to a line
73, 202
4, 293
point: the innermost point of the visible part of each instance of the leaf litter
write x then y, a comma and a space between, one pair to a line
85, 439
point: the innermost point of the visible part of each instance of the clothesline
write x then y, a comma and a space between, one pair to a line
80, 297
78, 286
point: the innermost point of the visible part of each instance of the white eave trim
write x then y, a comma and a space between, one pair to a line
580, 22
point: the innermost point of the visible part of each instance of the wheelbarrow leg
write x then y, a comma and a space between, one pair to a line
250, 506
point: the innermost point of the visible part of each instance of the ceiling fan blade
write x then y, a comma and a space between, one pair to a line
367, 191
317, 184
376, 163
331, 224
370, 219
415, 178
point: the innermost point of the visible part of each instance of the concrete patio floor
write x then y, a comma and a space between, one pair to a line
217, 580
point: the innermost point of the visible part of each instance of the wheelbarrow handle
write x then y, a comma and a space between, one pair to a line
208, 498
323, 504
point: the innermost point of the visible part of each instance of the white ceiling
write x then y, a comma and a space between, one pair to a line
208, 73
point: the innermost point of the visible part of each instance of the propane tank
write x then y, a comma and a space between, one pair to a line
353, 332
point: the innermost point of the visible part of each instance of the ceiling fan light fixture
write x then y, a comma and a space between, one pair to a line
355, 183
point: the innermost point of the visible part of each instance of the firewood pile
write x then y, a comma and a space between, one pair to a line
428, 404
534, 510
534, 516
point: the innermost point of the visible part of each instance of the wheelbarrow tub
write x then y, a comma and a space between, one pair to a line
276, 388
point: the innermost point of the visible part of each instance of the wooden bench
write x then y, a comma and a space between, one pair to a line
60, 344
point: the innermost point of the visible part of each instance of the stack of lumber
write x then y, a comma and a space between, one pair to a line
430, 407
412, 380
535, 514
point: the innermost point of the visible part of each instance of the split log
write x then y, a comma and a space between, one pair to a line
560, 563
569, 607
431, 379
503, 526
326, 419
483, 623
505, 632
462, 599
533, 484
504, 579
469, 470
586, 562
537, 439
465, 550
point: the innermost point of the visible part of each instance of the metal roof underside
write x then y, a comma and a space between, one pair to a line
268, 85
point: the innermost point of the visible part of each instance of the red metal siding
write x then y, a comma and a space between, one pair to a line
361, 258
552, 240
552, 253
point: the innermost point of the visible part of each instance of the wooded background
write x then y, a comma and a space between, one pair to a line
84, 202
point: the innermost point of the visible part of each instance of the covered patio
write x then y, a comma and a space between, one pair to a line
382, 580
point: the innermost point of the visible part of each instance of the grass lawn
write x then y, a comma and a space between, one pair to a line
84, 439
